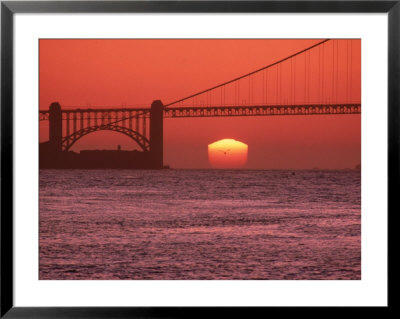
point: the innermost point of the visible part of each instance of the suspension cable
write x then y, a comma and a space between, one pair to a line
248, 74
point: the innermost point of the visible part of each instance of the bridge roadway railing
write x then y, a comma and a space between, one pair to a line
218, 111
262, 110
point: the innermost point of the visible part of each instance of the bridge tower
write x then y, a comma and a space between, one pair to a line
55, 128
156, 133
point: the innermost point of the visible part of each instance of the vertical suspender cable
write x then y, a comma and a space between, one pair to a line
337, 70
347, 70
309, 75
322, 73
319, 75
277, 86
294, 81
291, 81
266, 87
333, 69
263, 88
351, 71
305, 79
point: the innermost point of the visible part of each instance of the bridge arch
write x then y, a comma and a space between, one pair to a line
70, 140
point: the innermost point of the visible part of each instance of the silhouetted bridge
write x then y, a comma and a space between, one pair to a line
145, 125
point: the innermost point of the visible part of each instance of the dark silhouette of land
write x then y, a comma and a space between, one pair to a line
95, 159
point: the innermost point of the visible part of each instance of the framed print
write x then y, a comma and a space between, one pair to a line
181, 158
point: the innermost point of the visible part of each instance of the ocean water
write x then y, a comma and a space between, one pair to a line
199, 224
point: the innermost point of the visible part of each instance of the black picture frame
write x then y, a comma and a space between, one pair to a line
9, 8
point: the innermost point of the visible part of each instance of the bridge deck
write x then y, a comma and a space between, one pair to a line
214, 111
262, 110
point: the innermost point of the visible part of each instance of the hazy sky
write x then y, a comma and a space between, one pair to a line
96, 73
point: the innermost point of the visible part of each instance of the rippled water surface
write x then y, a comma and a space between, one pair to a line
199, 224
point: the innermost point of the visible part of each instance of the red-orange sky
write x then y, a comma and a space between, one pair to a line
104, 73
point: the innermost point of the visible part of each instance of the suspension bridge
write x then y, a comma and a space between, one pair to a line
318, 80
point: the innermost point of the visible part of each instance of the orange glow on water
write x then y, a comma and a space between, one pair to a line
227, 153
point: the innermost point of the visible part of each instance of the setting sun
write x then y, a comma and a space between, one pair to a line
227, 153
